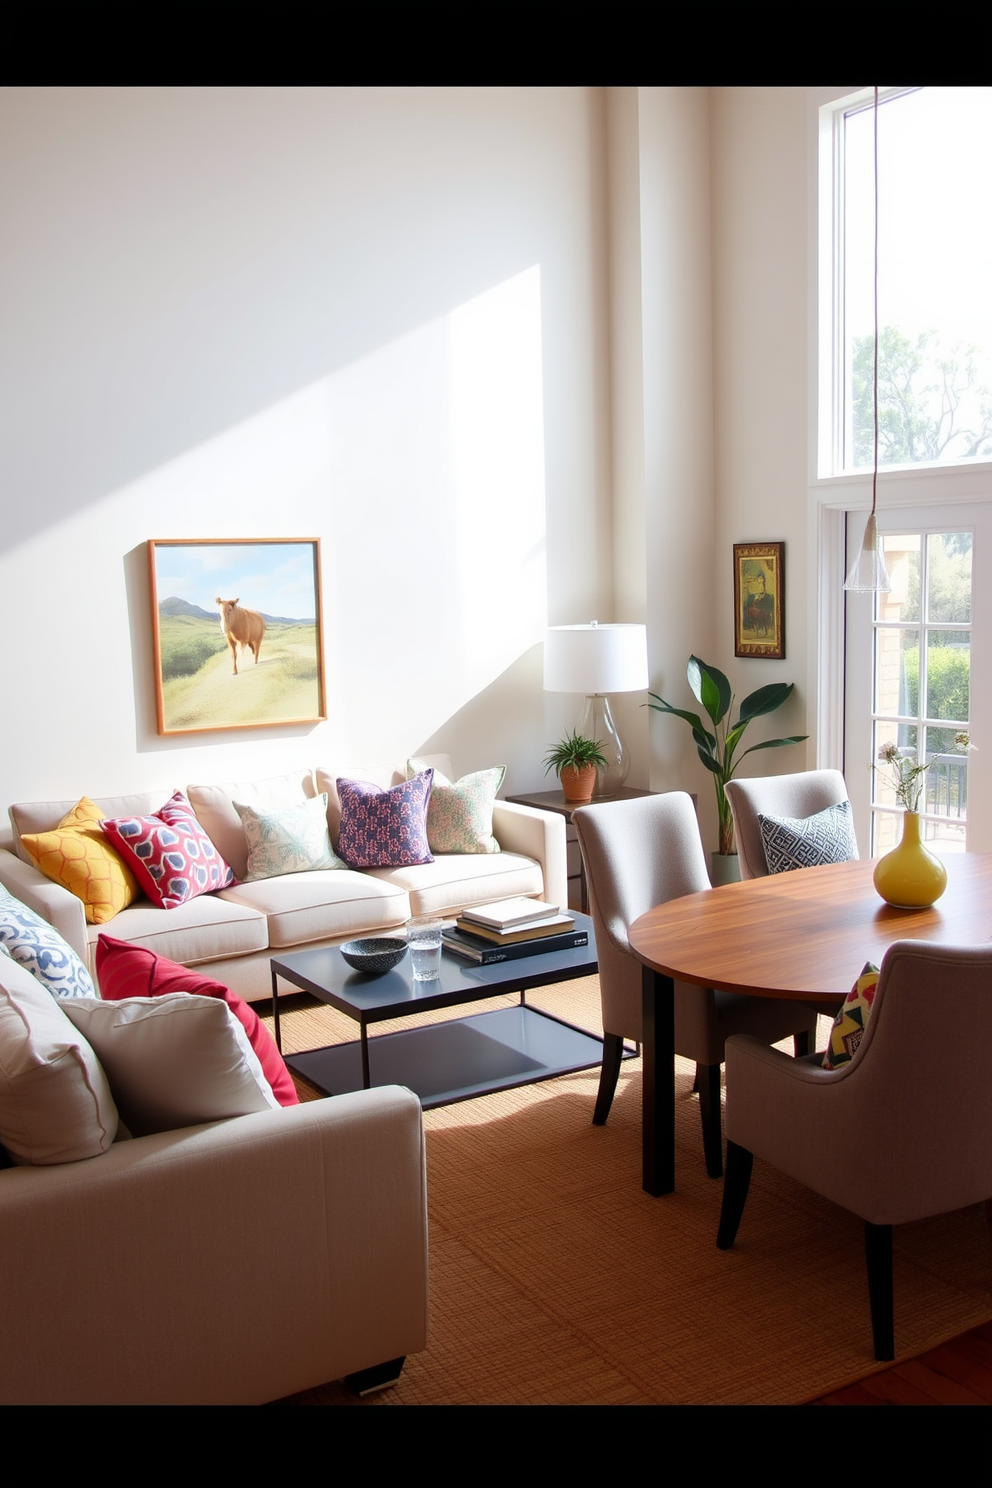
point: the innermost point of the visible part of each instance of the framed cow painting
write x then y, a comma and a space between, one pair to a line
236, 630
759, 599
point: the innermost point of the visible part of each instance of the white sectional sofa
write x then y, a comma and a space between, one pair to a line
235, 931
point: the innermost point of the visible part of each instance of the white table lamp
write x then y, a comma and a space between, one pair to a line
598, 659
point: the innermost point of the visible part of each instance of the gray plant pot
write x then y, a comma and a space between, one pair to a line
725, 868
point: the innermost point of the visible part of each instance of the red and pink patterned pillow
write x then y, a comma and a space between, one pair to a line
384, 828
169, 853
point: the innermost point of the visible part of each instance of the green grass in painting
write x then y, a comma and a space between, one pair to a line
200, 691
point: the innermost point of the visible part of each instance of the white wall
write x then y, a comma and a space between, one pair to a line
761, 302
678, 414
506, 352
710, 389
373, 316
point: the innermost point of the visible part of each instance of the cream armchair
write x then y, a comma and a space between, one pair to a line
232, 1263
916, 1093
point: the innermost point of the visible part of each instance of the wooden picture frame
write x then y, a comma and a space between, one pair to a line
759, 599
256, 663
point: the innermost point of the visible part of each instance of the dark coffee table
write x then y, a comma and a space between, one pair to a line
450, 1061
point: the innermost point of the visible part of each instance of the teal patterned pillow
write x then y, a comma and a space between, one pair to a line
288, 839
460, 814
34, 944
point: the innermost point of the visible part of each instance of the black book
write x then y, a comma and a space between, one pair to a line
484, 953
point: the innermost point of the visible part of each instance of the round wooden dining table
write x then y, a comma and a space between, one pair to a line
804, 935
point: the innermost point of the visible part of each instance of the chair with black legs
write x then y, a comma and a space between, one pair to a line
901, 1132
638, 854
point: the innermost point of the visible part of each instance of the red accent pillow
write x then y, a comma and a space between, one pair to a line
125, 970
169, 853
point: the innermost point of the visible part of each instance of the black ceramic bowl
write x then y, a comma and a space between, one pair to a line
374, 956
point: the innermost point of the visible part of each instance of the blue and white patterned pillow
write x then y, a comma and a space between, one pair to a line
287, 839
792, 842
35, 945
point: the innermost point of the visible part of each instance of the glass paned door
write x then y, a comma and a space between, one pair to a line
911, 678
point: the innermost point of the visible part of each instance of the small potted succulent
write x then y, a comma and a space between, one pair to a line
575, 760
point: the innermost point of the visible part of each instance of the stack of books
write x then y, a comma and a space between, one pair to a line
511, 928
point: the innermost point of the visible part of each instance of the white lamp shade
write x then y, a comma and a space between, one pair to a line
595, 658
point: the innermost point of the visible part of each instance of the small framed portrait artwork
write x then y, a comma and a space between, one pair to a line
759, 599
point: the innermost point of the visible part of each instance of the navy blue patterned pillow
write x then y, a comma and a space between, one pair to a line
793, 842
384, 828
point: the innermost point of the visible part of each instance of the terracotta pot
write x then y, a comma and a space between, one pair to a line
910, 877
578, 784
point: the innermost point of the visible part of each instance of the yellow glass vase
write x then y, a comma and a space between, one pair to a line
910, 877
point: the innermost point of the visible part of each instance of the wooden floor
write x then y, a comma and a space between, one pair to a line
956, 1373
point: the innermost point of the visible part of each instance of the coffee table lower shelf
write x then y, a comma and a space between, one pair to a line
454, 1061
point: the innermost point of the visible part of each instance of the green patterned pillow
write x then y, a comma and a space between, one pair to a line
460, 813
287, 839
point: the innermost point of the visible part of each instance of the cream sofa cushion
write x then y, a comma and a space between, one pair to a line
214, 808
55, 1100
452, 882
204, 929
174, 1061
301, 907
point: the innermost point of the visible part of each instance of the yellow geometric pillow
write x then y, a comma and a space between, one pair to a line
78, 856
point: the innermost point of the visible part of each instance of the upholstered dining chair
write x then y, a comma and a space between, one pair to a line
921, 1117
638, 854
802, 796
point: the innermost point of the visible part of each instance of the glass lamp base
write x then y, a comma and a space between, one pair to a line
597, 723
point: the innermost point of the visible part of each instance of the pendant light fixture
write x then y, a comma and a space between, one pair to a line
868, 572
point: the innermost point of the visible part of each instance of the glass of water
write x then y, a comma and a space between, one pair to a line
424, 939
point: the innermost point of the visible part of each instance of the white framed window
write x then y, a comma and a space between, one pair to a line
909, 672
933, 243
934, 279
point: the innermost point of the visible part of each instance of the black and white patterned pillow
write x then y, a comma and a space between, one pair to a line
791, 842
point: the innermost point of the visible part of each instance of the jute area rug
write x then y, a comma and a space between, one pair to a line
556, 1280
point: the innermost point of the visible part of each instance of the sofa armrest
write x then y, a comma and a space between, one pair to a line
63, 911
535, 834
234, 1262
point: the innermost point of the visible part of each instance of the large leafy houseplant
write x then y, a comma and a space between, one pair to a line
717, 749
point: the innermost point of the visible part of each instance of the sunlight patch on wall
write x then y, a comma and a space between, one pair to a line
438, 482
419, 467
498, 442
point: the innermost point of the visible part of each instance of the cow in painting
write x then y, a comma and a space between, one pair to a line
244, 628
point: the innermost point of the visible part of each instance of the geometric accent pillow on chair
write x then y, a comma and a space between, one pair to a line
810, 842
852, 1019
